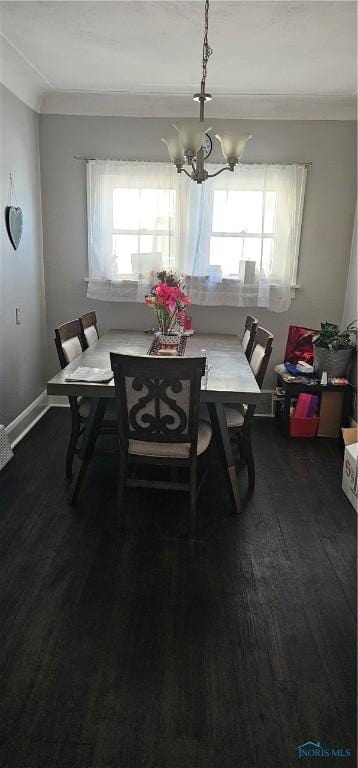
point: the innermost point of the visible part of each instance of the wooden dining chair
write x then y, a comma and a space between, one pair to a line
69, 344
248, 338
89, 329
239, 418
158, 421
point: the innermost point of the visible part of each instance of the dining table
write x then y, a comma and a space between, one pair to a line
229, 380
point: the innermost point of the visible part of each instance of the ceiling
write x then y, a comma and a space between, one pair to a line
114, 57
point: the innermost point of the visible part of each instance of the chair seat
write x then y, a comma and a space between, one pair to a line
235, 415
172, 450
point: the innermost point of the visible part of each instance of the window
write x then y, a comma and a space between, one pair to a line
242, 230
143, 229
235, 238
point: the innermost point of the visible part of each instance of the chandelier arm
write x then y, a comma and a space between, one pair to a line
183, 170
226, 168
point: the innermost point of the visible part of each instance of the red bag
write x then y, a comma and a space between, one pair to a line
299, 345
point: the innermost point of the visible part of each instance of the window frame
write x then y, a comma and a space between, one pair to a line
186, 199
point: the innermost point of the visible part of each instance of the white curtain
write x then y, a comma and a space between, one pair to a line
235, 237
136, 216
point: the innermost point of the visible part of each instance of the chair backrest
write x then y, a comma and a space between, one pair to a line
248, 338
158, 399
68, 340
89, 330
261, 354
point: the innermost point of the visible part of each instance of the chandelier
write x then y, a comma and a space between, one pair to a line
192, 143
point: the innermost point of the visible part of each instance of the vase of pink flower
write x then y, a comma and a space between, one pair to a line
167, 298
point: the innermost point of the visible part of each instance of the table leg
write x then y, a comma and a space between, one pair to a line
93, 423
222, 438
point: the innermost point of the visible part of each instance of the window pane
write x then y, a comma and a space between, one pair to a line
237, 211
270, 212
123, 247
157, 207
126, 212
141, 254
219, 211
227, 252
267, 256
143, 209
252, 249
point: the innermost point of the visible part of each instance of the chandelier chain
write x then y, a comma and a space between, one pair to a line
207, 50
193, 145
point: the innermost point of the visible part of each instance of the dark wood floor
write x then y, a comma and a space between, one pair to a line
149, 651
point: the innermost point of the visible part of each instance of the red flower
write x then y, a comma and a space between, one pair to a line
166, 296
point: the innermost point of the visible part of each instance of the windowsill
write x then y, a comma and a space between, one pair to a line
294, 286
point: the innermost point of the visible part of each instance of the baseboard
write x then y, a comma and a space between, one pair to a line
27, 419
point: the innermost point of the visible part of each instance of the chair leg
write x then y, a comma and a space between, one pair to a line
250, 461
193, 499
72, 445
73, 499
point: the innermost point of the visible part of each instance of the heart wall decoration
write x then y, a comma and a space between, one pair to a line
14, 222
13, 217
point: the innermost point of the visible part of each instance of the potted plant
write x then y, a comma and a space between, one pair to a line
167, 298
333, 349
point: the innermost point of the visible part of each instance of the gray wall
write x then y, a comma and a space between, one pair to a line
350, 312
327, 224
22, 346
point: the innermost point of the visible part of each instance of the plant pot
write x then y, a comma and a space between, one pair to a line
335, 362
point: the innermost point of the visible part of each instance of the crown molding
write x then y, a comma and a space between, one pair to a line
31, 86
253, 107
20, 76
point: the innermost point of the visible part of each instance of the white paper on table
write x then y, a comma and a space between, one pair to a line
91, 375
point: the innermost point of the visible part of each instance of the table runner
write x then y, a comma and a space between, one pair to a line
155, 346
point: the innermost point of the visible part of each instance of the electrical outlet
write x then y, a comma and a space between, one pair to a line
18, 316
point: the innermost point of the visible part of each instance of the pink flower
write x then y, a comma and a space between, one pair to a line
166, 296
170, 297
182, 297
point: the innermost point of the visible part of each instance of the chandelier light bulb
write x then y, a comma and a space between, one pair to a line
233, 146
191, 135
175, 150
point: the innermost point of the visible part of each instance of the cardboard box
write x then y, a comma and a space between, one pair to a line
330, 414
350, 476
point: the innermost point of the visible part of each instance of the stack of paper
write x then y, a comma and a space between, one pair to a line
91, 375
